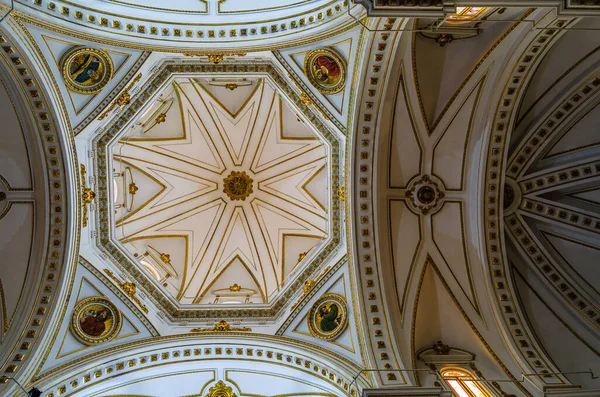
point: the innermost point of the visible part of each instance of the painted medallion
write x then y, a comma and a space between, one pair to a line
96, 320
326, 70
86, 70
328, 317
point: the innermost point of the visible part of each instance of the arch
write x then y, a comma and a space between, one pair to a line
53, 194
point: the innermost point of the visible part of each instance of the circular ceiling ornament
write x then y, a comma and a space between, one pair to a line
238, 185
326, 70
86, 70
425, 194
96, 320
328, 317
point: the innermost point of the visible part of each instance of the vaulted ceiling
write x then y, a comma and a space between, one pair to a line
175, 197
253, 232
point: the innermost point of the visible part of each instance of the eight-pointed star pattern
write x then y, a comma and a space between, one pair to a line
172, 212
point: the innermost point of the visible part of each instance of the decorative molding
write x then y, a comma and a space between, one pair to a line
173, 36
506, 307
128, 288
425, 194
123, 99
221, 326
82, 374
87, 196
55, 268
381, 46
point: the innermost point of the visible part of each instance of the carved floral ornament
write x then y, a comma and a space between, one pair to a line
238, 185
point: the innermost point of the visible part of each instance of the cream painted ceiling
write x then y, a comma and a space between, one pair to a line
178, 206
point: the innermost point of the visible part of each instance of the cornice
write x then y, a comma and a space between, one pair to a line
81, 374
157, 35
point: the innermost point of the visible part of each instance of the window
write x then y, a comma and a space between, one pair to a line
462, 383
466, 13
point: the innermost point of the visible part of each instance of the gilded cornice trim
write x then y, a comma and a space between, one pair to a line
182, 38
82, 373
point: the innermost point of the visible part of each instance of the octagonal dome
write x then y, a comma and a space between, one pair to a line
219, 191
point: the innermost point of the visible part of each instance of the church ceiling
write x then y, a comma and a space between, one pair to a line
267, 198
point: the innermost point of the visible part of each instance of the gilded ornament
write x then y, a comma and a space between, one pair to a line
161, 118
87, 196
216, 58
128, 288
86, 70
123, 99
222, 326
132, 188
231, 86
235, 288
325, 68
425, 194
308, 286
96, 320
328, 317
238, 185
444, 39
302, 255
342, 193
166, 258
306, 99
221, 390
440, 348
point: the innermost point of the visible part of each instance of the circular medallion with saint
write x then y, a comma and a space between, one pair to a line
328, 317
96, 320
86, 70
326, 70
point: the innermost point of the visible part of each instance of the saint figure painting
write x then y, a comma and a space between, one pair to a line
86, 70
327, 318
326, 70
95, 320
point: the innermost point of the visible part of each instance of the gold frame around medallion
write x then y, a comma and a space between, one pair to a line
81, 306
314, 330
75, 51
338, 58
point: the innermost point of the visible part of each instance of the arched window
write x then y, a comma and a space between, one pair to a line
462, 383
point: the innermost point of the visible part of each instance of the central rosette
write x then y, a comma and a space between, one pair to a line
238, 185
